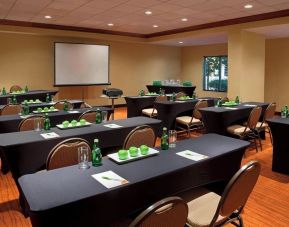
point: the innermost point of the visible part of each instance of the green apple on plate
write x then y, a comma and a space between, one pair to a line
39, 109
133, 151
52, 108
122, 154
144, 149
73, 123
46, 109
31, 100
82, 121
37, 100
65, 124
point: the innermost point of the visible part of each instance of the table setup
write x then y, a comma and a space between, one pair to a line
70, 196
189, 90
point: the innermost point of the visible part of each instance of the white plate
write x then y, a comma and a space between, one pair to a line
115, 157
32, 102
49, 111
78, 125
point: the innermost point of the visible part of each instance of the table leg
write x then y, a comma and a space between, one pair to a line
112, 106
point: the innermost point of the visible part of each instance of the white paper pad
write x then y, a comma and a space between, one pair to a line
49, 135
230, 108
192, 155
24, 116
109, 179
73, 111
180, 101
250, 105
113, 126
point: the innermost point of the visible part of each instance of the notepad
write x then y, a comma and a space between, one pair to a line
113, 126
110, 179
252, 105
192, 155
73, 111
49, 135
230, 108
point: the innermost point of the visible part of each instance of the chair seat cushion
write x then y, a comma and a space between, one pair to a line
264, 125
186, 120
237, 129
202, 205
150, 112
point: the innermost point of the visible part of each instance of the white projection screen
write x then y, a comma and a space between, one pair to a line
81, 64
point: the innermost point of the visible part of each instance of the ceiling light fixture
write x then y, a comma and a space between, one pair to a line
47, 17
155, 26
248, 6
148, 12
110, 24
184, 19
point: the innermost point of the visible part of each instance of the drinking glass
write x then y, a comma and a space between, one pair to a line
83, 157
104, 116
37, 124
172, 138
9, 101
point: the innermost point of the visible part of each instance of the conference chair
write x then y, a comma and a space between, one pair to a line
248, 131
224, 99
168, 212
85, 105
15, 88
89, 116
60, 105
193, 122
152, 112
140, 135
65, 153
180, 94
11, 109
207, 208
28, 123
263, 126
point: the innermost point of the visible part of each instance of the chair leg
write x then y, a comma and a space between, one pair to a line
255, 142
240, 221
259, 138
269, 131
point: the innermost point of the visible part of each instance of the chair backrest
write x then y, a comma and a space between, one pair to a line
15, 88
11, 109
224, 99
180, 94
254, 117
238, 190
169, 212
270, 111
143, 134
200, 104
89, 116
60, 105
65, 153
28, 123
85, 105
161, 98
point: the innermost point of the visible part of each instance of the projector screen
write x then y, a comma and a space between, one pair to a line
81, 64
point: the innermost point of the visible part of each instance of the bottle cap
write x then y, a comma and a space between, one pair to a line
96, 140
164, 128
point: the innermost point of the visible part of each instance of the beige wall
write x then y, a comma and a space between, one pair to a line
28, 60
277, 72
192, 65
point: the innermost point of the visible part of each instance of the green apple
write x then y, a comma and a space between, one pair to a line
133, 151
52, 108
65, 124
46, 109
122, 154
31, 100
37, 100
144, 149
73, 123
82, 121
39, 109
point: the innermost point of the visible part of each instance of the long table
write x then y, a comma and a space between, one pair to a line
35, 94
71, 197
135, 104
280, 130
217, 119
189, 90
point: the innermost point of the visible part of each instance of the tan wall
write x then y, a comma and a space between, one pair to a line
28, 60
277, 72
192, 65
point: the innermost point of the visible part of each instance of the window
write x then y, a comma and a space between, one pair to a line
215, 77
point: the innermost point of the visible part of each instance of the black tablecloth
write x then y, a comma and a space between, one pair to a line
135, 104
71, 197
10, 123
217, 119
36, 94
280, 131
189, 90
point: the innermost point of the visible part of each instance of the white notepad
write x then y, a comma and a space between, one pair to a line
109, 179
113, 126
192, 155
49, 135
251, 105
230, 108
73, 111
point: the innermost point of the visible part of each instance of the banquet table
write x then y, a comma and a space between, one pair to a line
72, 197
33, 94
280, 130
135, 104
188, 90
217, 119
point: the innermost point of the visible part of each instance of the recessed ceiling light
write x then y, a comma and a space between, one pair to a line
148, 12
47, 17
184, 19
155, 26
110, 24
248, 6
181, 42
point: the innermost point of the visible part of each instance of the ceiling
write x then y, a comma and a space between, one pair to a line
129, 15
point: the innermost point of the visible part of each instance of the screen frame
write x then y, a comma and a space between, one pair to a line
79, 85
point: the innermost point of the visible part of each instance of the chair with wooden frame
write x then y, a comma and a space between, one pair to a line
60, 105
15, 88
89, 116
180, 94
11, 109
65, 153
28, 123
152, 112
